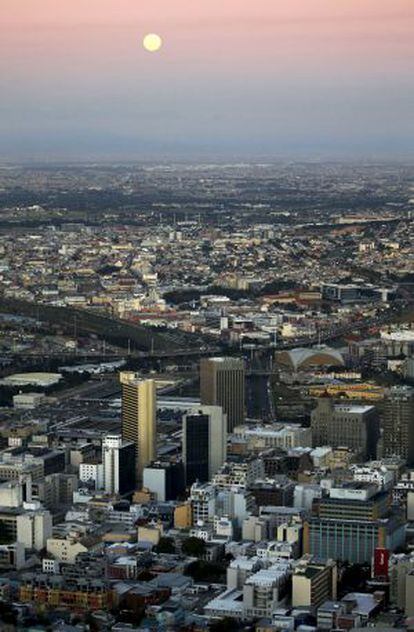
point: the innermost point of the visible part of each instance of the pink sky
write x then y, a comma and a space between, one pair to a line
70, 55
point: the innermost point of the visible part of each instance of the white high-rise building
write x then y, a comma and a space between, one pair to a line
34, 527
118, 458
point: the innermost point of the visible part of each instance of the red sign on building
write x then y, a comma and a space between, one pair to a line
381, 559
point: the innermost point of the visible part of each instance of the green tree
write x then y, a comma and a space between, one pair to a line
165, 545
224, 625
194, 547
5, 537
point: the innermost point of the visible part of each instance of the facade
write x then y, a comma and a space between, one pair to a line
204, 443
139, 418
356, 427
239, 474
313, 582
265, 590
12, 556
399, 566
118, 458
409, 592
65, 549
222, 384
203, 503
58, 591
92, 473
275, 436
352, 540
34, 528
29, 525
351, 523
165, 479
278, 492
398, 423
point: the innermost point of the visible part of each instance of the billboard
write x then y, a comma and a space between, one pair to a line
381, 559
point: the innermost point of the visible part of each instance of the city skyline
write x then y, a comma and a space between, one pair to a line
272, 78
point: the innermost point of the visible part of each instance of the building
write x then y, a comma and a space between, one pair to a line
203, 503
57, 591
65, 549
274, 436
183, 516
204, 443
265, 590
222, 384
12, 556
278, 492
139, 404
33, 528
351, 523
355, 427
118, 457
165, 479
398, 423
240, 569
399, 566
239, 474
409, 592
27, 401
313, 582
255, 528
305, 359
93, 473
376, 473
30, 525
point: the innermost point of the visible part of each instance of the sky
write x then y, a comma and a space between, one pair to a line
234, 78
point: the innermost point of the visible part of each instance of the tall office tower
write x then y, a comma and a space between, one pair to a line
204, 443
118, 458
398, 423
139, 407
222, 384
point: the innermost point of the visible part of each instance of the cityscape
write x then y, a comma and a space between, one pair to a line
207, 326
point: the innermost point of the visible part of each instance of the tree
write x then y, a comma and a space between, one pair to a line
194, 547
165, 545
201, 571
224, 625
5, 537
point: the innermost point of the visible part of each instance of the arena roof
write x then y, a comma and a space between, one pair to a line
301, 357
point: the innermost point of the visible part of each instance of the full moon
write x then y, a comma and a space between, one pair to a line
152, 42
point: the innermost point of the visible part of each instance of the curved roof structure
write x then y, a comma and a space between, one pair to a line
302, 358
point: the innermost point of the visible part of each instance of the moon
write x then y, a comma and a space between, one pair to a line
152, 42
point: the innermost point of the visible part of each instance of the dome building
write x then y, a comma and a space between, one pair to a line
302, 359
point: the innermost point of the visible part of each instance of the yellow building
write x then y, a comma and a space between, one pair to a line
139, 407
183, 518
313, 582
150, 534
370, 392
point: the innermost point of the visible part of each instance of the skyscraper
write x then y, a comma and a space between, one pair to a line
398, 423
139, 404
204, 442
118, 459
222, 384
